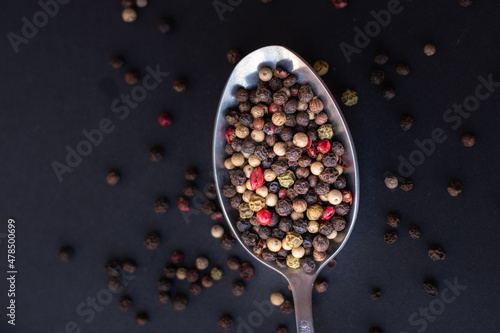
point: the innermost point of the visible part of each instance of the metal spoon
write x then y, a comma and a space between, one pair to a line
246, 75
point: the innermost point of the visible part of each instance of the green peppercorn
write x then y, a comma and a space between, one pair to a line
321, 67
325, 132
287, 179
350, 97
216, 273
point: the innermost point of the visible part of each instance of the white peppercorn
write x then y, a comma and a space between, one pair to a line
242, 131
317, 168
298, 252
258, 135
238, 159
247, 170
253, 161
217, 231
262, 191
228, 164
271, 200
280, 148
300, 140
273, 244
334, 197
277, 298
269, 175
201, 263
313, 227
129, 15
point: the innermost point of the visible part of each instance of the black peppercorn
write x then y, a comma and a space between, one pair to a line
321, 286
249, 238
113, 268
238, 288
161, 205
132, 77
280, 97
189, 189
465, 3
195, 288
66, 253
233, 56
236, 201
287, 307
165, 26
207, 281
169, 272
124, 303
430, 288
233, 263
210, 191
179, 302
241, 95
300, 226
414, 232
406, 123
277, 233
290, 80
388, 93
129, 266
114, 283
238, 177
180, 85
227, 242
406, 185
306, 93
191, 174
390, 237
141, 319
402, 69
455, 188
376, 294
393, 220
156, 154
117, 62
152, 241
246, 271
380, 57
436, 253
332, 263
225, 322
342, 209
275, 84
307, 264
377, 77
291, 106
326, 228
163, 297
164, 284
192, 275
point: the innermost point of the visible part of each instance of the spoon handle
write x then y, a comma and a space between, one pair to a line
302, 298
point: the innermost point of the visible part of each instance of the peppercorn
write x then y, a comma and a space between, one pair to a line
129, 266
217, 231
406, 123
225, 322
192, 275
131, 77
388, 92
165, 26
289, 107
390, 237
321, 286
332, 263
321, 67
391, 182
129, 15
284, 207
169, 271
465, 3
455, 188
163, 297
164, 284
216, 273
113, 268
180, 85
112, 177
287, 307
402, 69
377, 77
436, 253
233, 56
339, 4
124, 303
406, 185
227, 242
246, 271
305, 93
340, 183
207, 281
141, 3
189, 189
128, 3
238, 288
380, 57
66, 253
468, 140
393, 220
141, 319
195, 288
289, 81
179, 302
316, 105
277, 298
152, 241
430, 288
117, 62
156, 154
414, 232
376, 294
375, 330
176, 257
114, 283
429, 49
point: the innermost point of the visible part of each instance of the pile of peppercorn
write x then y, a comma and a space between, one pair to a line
286, 171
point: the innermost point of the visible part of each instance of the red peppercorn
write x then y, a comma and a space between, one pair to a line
183, 204
264, 216
176, 257
328, 212
273, 108
164, 120
339, 4
309, 144
228, 135
256, 178
280, 72
324, 146
347, 196
282, 194
311, 151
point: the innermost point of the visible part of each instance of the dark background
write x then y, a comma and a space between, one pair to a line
60, 83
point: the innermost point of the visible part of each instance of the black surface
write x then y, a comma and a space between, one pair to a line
61, 83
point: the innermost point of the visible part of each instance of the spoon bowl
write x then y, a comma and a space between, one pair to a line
245, 75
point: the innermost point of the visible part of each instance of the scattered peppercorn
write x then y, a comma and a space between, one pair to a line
216, 273
156, 154
339, 4
141, 3
169, 271
152, 241
350, 97
227, 242
124, 303
164, 297
164, 284
164, 120
217, 231
455, 188
402, 69
182, 204
66, 253
114, 283
180, 85
225, 322
129, 15
195, 288
465, 3
321, 286
375, 330
436, 253
207, 281
181, 273
388, 93
113, 268
377, 77
393, 220
430, 288
165, 26
191, 174
391, 182
406, 185
246, 271
380, 57
414, 232
112, 177
141, 319
117, 62
238, 288
192, 275
390, 237
277, 298
321, 67
376, 294
201, 263
179, 302
129, 266
287, 307
406, 123
233, 263
176, 257
429, 49
128, 3
332, 263
233, 56
161, 205
132, 77
468, 140
189, 189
